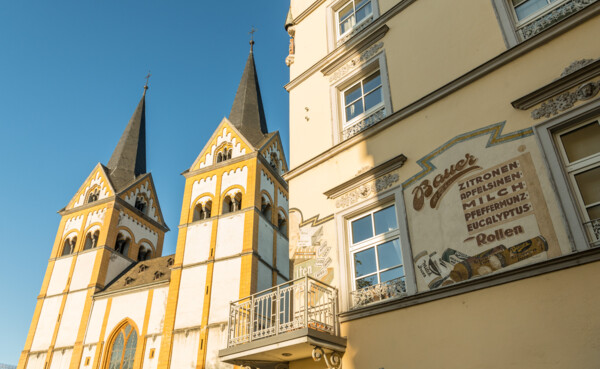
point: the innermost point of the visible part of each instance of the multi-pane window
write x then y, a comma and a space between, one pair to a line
580, 150
122, 353
525, 8
362, 97
352, 14
375, 248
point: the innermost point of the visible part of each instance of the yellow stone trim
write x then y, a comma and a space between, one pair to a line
97, 169
56, 327
77, 354
166, 343
140, 350
100, 345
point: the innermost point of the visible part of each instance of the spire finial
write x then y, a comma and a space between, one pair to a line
252, 30
146, 85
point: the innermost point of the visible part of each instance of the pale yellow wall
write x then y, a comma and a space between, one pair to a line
549, 321
310, 43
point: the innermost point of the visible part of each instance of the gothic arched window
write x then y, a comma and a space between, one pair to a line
202, 211
91, 240
122, 350
122, 244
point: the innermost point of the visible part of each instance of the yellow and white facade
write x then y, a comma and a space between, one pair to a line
112, 301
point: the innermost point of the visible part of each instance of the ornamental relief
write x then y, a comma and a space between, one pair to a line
356, 62
566, 100
367, 190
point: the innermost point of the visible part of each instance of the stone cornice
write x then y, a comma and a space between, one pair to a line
365, 177
343, 52
451, 87
562, 84
188, 174
311, 8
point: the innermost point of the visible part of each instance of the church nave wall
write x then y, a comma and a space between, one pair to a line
217, 340
130, 306
185, 349
83, 270
157, 311
152, 343
36, 361
94, 327
88, 352
61, 359
191, 297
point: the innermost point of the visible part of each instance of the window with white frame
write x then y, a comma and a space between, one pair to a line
523, 19
362, 98
579, 148
376, 256
353, 14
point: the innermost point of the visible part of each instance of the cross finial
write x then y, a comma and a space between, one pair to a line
147, 79
252, 30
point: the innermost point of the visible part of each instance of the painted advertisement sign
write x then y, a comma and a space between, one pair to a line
311, 247
481, 205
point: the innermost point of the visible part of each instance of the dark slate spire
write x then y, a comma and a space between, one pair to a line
247, 113
129, 158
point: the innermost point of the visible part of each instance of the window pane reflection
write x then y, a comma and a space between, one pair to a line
389, 254
362, 229
364, 262
385, 220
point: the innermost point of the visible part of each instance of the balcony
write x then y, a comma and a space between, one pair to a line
593, 229
289, 322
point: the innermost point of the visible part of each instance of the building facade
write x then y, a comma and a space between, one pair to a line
444, 180
110, 300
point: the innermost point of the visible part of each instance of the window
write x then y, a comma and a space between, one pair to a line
265, 207
376, 256
69, 246
122, 244
232, 203
579, 147
122, 349
224, 154
282, 223
202, 211
353, 14
523, 19
93, 196
362, 98
91, 240
140, 203
144, 253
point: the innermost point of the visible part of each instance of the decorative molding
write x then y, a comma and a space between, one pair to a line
395, 288
333, 360
575, 74
549, 19
367, 122
428, 99
367, 176
356, 62
576, 65
364, 191
355, 30
566, 100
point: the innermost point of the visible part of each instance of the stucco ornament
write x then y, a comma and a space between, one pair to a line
576, 65
332, 360
553, 17
355, 30
366, 190
364, 124
566, 100
356, 62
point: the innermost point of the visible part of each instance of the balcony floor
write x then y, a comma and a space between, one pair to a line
270, 350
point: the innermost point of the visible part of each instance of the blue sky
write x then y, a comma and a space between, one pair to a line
71, 75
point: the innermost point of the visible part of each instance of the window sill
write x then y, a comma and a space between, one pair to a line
356, 29
549, 266
365, 122
550, 18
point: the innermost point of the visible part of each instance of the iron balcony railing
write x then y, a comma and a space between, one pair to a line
378, 292
301, 303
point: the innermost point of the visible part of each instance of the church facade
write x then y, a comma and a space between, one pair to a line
110, 300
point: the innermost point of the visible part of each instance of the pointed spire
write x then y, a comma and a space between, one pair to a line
289, 20
247, 113
129, 158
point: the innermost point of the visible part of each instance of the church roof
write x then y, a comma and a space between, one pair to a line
142, 273
247, 113
129, 158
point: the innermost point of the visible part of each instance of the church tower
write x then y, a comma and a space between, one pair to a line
113, 221
232, 237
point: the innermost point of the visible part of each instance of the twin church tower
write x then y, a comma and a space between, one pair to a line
109, 300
